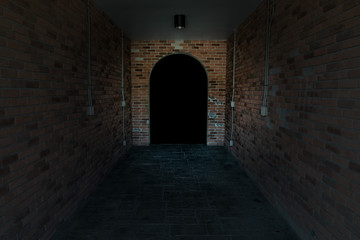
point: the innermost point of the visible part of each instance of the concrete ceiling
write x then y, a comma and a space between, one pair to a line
153, 19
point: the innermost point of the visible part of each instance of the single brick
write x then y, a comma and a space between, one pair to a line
10, 159
354, 166
6, 122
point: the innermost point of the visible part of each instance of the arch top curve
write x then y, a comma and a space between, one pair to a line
176, 54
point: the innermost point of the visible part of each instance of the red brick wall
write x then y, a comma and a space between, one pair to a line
51, 153
305, 153
145, 54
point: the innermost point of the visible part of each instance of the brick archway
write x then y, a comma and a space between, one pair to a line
178, 101
145, 55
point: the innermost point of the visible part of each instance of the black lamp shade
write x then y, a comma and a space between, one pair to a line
179, 21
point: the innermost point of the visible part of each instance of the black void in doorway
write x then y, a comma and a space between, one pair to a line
178, 101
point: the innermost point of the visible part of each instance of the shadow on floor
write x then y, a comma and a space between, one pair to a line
176, 192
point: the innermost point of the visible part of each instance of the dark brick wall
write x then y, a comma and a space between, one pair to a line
305, 153
51, 153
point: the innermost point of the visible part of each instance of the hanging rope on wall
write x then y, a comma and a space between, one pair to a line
233, 92
90, 108
271, 10
123, 104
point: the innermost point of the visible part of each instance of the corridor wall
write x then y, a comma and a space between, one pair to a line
52, 154
305, 153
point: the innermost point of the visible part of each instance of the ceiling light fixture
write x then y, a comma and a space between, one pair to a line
179, 21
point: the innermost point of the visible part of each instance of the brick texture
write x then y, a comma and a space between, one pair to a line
305, 153
212, 55
51, 153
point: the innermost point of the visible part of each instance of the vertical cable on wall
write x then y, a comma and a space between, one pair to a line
90, 108
270, 9
233, 92
123, 104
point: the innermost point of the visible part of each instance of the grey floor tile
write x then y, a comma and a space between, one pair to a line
188, 230
176, 192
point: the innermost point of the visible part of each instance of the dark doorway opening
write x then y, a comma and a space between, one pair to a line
178, 101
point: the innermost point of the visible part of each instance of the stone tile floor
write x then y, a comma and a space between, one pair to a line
176, 192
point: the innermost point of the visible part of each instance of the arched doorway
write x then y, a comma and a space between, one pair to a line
178, 101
